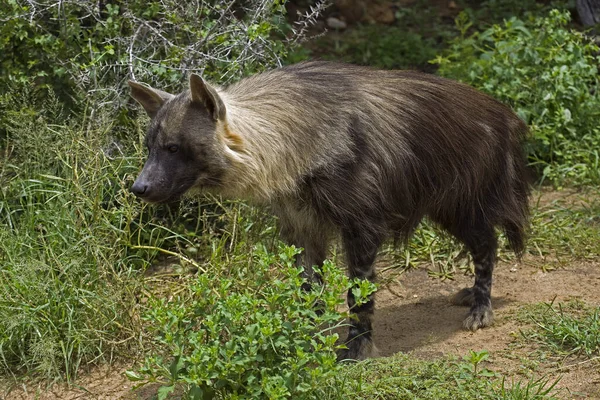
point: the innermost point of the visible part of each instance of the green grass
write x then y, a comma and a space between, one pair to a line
69, 277
564, 328
405, 377
566, 228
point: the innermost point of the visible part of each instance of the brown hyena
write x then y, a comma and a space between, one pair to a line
343, 150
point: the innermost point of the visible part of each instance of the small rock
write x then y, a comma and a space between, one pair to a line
336, 23
513, 269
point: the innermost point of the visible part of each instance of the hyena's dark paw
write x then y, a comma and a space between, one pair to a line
479, 317
359, 348
464, 297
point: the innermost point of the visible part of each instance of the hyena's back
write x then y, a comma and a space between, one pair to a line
386, 147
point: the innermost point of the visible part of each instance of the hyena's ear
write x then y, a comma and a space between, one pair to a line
151, 99
206, 95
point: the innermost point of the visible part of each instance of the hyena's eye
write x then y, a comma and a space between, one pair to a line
173, 148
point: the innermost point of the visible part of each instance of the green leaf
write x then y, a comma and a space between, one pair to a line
164, 391
133, 376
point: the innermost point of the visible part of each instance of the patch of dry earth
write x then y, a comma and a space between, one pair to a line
415, 315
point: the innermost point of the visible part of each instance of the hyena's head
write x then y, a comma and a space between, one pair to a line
184, 150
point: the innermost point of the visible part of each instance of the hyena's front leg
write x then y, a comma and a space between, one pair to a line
361, 250
303, 231
313, 256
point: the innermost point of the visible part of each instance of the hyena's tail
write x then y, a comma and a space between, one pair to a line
516, 217
516, 236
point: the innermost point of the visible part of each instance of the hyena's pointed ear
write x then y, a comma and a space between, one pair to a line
206, 95
151, 99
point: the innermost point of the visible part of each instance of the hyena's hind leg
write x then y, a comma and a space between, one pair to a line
482, 242
361, 249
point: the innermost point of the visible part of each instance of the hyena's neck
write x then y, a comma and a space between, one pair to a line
265, 157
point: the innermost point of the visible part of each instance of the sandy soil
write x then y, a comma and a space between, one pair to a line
414, 315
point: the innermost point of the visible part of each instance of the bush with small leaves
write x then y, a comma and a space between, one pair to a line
549, 74
84, 49
250, 331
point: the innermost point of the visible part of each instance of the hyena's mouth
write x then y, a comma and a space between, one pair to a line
157, 197
174, 196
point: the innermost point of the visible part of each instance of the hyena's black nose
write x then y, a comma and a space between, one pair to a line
139, 188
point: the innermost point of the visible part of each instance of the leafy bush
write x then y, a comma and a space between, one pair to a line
249, 330
549, 74
82, 49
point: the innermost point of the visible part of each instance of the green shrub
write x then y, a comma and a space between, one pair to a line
83, 49
549, 74
388, 47
248, 330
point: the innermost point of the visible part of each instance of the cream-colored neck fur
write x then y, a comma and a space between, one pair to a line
264, 153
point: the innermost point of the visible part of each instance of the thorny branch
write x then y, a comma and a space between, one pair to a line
224, 39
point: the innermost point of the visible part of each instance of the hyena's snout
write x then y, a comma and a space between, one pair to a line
152, 188
143, 186
140, 188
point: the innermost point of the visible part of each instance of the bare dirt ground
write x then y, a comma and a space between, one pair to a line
414, 315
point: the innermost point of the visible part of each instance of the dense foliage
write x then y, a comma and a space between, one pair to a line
84, 49
249, 330
548, 73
